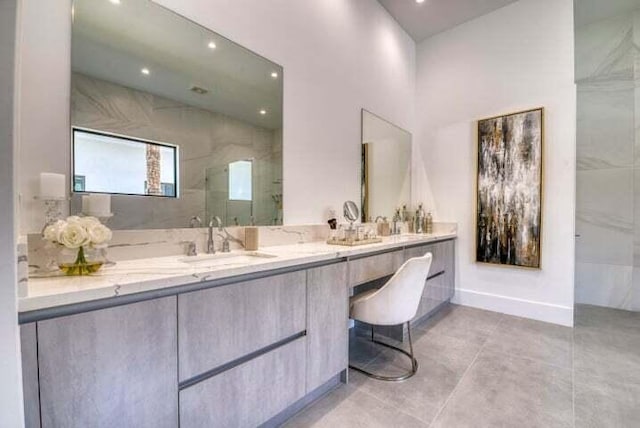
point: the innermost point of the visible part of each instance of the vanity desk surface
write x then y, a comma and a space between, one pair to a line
157, 275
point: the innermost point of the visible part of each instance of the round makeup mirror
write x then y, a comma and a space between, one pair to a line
351, 211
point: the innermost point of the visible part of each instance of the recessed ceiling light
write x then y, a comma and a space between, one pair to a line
419, 1
145, 71
115, 1
212, 45
263, 112
274, 75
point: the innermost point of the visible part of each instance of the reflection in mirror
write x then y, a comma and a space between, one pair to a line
386, 167
143, 73
104, 163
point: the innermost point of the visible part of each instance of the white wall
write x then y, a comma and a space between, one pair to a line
45, 137
338, 56
11, 413
518, 57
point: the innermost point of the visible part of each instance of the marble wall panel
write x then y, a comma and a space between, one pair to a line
603, 284
604, 216
605, 114
608, 160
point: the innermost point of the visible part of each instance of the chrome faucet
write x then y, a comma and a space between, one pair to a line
195, 222
211, 245
226, 237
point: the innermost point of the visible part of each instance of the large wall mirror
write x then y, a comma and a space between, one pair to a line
386, 167
174, 113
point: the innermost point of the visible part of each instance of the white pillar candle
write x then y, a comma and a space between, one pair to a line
86, 204
52, 186
100, 205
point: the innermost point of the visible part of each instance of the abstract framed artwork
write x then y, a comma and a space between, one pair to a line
509, 189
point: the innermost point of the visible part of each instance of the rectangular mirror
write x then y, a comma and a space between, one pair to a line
386, 167
105, 163
161, 106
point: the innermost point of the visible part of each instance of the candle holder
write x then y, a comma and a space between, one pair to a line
52, 209
52, 213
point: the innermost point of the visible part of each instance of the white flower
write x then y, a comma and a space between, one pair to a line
99, 234
73, 235
74, 219
51, 232
89, 222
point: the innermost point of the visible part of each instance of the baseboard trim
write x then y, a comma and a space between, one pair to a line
540, 311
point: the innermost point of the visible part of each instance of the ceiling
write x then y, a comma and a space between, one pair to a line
423, 20
114, 41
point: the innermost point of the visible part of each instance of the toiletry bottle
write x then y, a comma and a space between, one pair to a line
420, 219
428, 223
405, 213
395, 230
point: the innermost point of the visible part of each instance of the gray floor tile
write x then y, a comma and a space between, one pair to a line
601, 403
463, 323
549, 343
421, 395
505, 391
482, 369
615, 320
608, 355
361, 350
350, 408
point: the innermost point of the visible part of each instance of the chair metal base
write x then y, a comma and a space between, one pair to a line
405, 376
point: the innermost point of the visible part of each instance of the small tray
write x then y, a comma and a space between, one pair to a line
353, 243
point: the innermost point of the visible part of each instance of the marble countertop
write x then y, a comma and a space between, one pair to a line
140, 275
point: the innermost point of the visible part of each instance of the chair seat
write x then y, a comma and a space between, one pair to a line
360, 297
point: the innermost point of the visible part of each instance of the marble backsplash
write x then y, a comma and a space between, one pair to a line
139, 244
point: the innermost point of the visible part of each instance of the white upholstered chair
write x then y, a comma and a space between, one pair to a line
394, 303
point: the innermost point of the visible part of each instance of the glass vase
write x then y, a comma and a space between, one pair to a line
80, 261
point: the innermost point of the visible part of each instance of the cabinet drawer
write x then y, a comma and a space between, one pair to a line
247, 395
219, 325
369, 268
438, 251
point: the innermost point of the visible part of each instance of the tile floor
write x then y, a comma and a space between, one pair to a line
483, 369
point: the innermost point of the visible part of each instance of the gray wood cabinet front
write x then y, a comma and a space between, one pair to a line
221, 324
327, 323
366, 269
29, 346
114, 367
249, 394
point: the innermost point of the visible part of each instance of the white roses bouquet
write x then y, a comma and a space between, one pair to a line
76, 232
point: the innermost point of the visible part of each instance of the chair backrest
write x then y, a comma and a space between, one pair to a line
398, 300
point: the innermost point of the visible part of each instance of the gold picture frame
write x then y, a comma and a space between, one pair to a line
509, 189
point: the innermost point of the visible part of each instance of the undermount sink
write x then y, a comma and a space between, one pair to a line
210, 259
